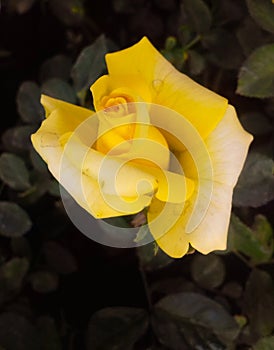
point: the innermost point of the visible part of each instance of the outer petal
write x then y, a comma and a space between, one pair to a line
48, 142
75, 114
62, 117
227, 145
166, 226
170, 88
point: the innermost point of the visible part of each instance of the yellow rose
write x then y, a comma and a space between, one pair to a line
157, 140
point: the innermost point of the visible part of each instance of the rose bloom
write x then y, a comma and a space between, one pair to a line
157, 140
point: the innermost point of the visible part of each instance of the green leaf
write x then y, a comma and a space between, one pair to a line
227, 11
223, 48
256, 243
69, 12
173, 285
116, 328
17, 333
152, 257
259, 303
263, 13
12, 274
193, 321
60, 89
40, 185
232, 289
59, 258
54, 188
37, 161
266, 343
28, 102
250, 42
90, 64
48, 334
196, 62
256, 78
198, 15
208, 271
17, 139
126, 7
13, 172
58, 66
255, 186
44, 281
14, 221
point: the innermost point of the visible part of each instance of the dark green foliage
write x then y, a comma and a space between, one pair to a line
116, 328
190, 320
256, 77
14, 221
61, 291
256, 183
208, 271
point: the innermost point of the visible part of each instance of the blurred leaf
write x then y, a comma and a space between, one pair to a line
256, 123
152, 258
263, 13
227, 11
12, 274
54, 188
176, 57
208, 271
17, 333
256, 243
90, 64
193, 321
28, 102
58, 66
256, 78
38, 162
116, 328
40, 185
129, 7
196, 62
250, 42
48, 334
44, 281
223, 48
170, 43
17, 139
20, 6
59, 258
60, 89
174, 285
255, 186
14, 221
198, 15
259, 303
69, 12
13, 172
232, 290
266, 343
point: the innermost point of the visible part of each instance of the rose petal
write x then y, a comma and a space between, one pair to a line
133, 87
227, 145
75, 114
84, 189
170, 88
